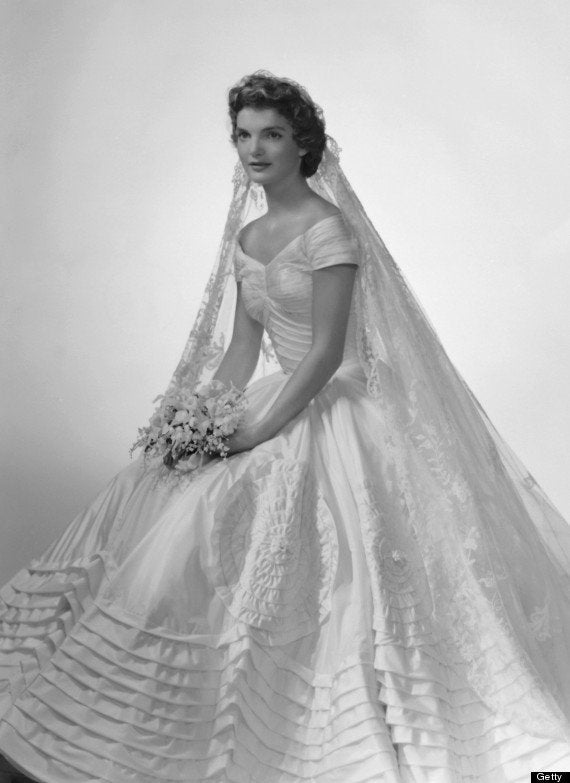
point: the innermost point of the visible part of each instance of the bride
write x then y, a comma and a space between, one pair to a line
370, 587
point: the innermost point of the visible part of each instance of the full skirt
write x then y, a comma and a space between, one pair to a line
245, 625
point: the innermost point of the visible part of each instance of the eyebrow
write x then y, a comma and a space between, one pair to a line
271, 127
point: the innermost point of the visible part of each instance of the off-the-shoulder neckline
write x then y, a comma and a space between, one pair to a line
295, 239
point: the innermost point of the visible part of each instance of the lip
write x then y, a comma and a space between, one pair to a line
259, 165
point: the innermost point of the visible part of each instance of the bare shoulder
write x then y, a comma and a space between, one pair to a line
248, 229
319, 209
310, 212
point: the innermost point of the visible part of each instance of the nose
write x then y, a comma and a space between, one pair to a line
256, 148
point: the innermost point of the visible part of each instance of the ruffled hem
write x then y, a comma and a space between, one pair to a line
98, 698
41, 605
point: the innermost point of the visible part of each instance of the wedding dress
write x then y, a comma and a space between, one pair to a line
281, 616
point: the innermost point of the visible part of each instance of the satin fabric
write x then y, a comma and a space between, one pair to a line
260, 621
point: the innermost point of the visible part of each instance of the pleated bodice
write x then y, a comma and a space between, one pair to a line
279, 294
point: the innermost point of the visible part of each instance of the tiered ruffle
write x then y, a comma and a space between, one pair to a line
38, 609
98, 698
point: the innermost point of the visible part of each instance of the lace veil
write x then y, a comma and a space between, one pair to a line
493, 550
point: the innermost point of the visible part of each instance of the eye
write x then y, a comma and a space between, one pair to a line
242, 134
274, 135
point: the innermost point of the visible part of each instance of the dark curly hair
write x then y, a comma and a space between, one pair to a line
263, 90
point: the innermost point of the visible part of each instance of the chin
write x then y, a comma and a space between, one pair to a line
260, 179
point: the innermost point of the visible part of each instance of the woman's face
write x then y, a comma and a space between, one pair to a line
266, 147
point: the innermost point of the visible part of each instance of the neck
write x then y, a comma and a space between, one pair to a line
284, 196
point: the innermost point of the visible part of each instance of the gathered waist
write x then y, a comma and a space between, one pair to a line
350, 365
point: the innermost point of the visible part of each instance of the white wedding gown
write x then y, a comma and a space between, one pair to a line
264, 622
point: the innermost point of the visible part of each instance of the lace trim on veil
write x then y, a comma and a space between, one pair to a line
496, 552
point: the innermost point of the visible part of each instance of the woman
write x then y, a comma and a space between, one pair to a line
370, 587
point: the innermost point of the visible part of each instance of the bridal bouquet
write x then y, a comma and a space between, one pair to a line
189, 424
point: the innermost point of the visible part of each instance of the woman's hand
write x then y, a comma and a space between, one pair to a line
243, 439
246, 437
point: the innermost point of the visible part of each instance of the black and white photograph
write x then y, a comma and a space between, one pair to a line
285, 365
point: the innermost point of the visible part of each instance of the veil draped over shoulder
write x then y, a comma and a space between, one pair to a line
493, 553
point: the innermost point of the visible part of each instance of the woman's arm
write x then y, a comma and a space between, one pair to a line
242, 354
332, 293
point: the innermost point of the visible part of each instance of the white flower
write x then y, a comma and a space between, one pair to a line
180, 417
208, 388
203, 426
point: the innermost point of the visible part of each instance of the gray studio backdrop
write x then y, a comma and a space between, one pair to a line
453, 119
